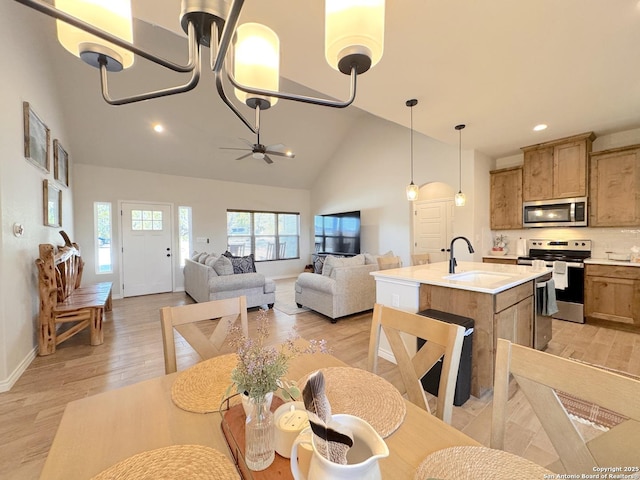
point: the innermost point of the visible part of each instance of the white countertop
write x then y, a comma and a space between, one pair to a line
500, 277
506, 257
604, 261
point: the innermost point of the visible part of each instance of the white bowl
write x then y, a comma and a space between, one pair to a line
498, 253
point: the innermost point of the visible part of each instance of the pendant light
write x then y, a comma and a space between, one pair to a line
412, 189
459, 198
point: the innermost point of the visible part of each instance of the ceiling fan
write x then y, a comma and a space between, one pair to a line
261, 152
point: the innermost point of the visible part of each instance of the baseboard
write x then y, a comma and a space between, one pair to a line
387, 355
5, 385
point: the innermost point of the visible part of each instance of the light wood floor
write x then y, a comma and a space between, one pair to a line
132, 352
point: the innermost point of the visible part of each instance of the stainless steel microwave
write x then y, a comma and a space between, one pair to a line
563, 212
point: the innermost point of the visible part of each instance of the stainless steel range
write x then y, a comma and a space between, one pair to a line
574, 253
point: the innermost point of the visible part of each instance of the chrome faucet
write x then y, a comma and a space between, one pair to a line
452, 259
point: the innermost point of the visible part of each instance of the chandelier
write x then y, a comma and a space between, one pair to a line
100, 32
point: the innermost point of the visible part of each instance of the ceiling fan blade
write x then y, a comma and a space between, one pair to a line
244, 156
277, 147
249, 143
232, 148
267, 159
280, 154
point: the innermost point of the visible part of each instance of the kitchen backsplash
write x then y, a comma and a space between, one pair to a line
604, 239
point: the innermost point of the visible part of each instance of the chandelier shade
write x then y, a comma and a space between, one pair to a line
354, 32
256, 62
112, 16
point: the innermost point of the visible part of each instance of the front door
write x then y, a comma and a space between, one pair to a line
432, 227
146, 249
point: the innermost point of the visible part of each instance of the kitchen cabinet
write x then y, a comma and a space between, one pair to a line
557, 169
503, 261
615, 188
515, 323
612, 296
505, 200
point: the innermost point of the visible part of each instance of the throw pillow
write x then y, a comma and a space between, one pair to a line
211, 260
331, 262
195, 255
243, 264
223, 266
318, 263
203, 258
371, 259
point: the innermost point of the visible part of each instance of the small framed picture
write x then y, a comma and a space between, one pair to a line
36, 138
52, 205
60, 164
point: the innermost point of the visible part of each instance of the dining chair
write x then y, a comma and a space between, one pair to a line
442, 340
183, 318
385, 263
420, 259
540, 375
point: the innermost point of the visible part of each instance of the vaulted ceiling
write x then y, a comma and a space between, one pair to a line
500, 66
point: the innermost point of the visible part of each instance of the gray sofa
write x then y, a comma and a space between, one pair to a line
344, 287
203, 282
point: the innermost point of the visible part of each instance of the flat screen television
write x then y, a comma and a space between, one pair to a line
338, 233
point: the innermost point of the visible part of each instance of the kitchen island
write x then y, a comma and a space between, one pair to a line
500, 299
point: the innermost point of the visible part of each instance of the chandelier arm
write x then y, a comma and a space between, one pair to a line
215, 56
47, 9
300, 98
194, 51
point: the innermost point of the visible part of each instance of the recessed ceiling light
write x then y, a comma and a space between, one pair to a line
540, 127
158, 128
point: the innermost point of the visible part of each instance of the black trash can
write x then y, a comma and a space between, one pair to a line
431, 379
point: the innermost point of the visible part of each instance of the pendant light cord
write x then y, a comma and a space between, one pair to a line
411, 142
459, 128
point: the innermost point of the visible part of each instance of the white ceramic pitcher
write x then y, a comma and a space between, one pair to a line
362, 458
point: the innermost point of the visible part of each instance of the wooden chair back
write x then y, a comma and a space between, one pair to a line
443, 339
540, 375
385, 263
183, 318
420, 259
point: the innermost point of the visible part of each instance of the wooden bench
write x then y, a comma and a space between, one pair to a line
63, 301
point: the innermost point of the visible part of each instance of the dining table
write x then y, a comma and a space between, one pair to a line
101, 430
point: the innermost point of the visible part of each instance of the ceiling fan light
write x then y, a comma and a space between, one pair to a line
112, 16
256, 61
258, 155
354, 33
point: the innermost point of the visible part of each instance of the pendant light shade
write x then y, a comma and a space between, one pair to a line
257, 63
354, 33
112, 16
412, 189
459, 199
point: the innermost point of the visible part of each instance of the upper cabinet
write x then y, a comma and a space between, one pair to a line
506, 199
557, 169
614, 187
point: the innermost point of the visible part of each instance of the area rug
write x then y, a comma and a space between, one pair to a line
286, 298
590, 413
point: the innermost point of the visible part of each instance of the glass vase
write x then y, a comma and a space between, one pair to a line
259, 434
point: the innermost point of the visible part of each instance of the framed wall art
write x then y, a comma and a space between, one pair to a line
60, 164
36, 138
52, 205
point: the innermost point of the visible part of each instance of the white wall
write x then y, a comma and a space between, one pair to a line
209, 200
371, 170
616, 239
26, 77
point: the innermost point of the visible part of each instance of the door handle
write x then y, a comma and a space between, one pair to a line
168, 254
168, 249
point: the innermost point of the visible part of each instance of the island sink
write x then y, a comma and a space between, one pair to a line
479, 277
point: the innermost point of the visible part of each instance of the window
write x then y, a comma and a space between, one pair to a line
268, 235
146, 220
102, 234
184, 232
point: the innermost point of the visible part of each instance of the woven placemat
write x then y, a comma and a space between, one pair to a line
365, 395
478, 463
202, 388
178, 462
